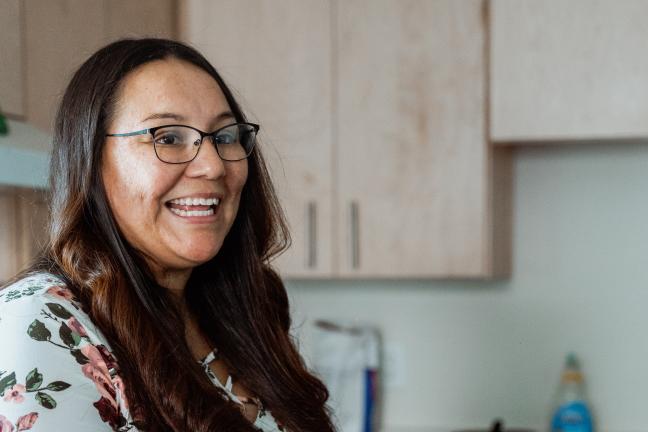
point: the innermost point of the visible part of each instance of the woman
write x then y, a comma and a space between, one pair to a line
153, 306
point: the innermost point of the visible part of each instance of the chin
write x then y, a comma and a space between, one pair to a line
198, 256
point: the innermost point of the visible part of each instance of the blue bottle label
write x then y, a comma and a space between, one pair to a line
572, 417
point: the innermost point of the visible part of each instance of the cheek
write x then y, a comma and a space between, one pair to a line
134, 191
237, 176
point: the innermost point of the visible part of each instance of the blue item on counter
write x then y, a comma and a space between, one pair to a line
573, 416
371, 375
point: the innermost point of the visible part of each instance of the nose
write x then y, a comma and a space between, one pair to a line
207, 163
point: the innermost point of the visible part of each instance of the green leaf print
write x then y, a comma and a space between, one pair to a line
31, 290
34, 380
12, 295
7, 382
38, 331
69, 338
79, 356
45, 400
57, 386
16, 294
59, 310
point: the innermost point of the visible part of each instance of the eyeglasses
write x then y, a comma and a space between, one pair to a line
177, 144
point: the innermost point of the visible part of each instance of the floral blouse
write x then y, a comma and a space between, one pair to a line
56, 368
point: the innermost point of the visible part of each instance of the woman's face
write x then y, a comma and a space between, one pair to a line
146, 195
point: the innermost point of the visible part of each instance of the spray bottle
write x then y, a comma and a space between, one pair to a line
571, 412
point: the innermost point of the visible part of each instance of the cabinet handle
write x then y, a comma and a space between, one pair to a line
311, 234
355, 236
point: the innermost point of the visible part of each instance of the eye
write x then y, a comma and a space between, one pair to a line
168, 138
225, 137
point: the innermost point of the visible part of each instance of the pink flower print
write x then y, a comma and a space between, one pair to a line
97, 371
5, 425
107, 357
61, 291
15, 394
27, 421
76, 326
107, 412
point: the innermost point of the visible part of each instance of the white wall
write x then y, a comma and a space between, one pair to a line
479, 350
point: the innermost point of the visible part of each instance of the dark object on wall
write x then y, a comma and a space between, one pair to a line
4, 129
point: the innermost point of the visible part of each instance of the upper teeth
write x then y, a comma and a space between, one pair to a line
196, 201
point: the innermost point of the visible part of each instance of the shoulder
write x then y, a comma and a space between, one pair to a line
32, 291
46, 302
54, 363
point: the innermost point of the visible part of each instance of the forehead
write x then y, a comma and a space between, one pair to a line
169, 85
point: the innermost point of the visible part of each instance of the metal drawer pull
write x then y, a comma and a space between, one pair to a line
311, 234
355, 236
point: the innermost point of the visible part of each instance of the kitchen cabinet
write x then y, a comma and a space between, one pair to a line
11, 80
415, 167
375, 115
568, 70
277, 58
57, 36
24, 215
43, 42
8, 241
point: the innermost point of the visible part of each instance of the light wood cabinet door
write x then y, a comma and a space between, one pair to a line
276, 56
11, 61
128, 18
23, 218
31, 222
62, 34
569, 70
415, 171
8, 235
59, 35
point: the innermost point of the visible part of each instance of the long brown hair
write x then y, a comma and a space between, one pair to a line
239, 301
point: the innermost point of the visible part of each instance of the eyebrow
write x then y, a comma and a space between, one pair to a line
179, 117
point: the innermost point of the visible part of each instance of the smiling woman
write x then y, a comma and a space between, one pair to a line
150, 172
153, 306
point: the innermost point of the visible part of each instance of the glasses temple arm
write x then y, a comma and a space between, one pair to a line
139, 132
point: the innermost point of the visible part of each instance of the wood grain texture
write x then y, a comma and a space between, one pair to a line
412, 145
127, 18
569, 70
276, 56
8, 234
61, 34
11, 61
31, 220
23, 217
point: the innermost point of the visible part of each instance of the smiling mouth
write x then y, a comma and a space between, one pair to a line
193, 207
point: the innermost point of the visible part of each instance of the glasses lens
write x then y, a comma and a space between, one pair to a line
235, 142
176, 144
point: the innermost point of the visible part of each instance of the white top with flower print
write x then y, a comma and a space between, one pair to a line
56, 368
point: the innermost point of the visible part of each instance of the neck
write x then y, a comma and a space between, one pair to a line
173, 280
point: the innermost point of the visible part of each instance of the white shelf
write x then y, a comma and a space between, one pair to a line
21, 163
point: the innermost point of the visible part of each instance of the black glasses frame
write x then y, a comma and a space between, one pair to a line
152, 131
